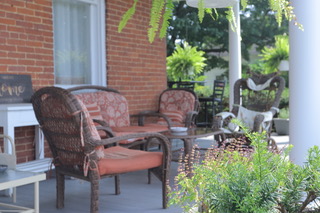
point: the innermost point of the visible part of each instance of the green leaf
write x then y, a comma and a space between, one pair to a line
127, 16
201, 10
155, 15
244, 4
166, 18
231, 18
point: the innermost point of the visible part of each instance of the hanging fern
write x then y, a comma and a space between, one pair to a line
156, 12
277, 6
201, 10
209, 11
231, 18
244, 3
166, 17
163, 9
186, 62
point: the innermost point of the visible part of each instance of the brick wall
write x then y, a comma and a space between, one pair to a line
26, 39
26, 47
134, 66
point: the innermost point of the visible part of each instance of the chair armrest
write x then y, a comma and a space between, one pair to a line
263, 121
224, 115
148, 113
164, 142
106, 129
100, 122
222, 120
10, 141
191, 118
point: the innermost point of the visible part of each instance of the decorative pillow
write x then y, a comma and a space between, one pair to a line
176, 116
94, 111
93, 130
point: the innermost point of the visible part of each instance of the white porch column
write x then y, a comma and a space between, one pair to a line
234, 53
304, 77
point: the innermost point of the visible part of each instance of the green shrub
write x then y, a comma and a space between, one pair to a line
259, 181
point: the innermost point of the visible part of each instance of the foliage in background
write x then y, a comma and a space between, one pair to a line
253, 180
272, 56
258, 28
209, 36
161, 13
257, 66
284, 113
284, 102
185, 63
200, 90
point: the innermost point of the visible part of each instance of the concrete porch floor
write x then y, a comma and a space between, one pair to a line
136, 195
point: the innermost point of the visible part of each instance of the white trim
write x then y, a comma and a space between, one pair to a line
97, 43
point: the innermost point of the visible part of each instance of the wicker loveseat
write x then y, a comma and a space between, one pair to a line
78, 150
110, 108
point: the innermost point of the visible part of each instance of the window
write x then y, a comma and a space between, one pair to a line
79, 42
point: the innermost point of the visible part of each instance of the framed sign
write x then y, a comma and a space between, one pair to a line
15, 88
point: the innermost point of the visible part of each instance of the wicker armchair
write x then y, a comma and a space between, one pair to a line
177, 107
78, 150
256, 101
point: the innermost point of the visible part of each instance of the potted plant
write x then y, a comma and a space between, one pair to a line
276, 58
249, 179
282, 122
185, 63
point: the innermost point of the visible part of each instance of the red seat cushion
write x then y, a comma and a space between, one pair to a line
121, 160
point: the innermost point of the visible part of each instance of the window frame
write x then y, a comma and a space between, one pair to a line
97, 44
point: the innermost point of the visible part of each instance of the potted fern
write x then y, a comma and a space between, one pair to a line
276, 58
